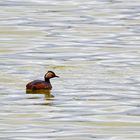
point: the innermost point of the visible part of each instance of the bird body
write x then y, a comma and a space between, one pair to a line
39, 84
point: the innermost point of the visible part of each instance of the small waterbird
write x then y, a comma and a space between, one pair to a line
40, 84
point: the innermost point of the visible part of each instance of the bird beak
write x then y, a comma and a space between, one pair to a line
56, 76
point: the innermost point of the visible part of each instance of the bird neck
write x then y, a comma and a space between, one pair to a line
47, 80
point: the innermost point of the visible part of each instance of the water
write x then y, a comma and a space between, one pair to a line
93, 46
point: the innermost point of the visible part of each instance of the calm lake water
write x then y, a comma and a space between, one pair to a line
94, 46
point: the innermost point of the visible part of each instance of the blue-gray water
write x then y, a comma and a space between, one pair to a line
94, 46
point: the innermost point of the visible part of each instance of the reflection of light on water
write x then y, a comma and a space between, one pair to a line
94, 46
46, 92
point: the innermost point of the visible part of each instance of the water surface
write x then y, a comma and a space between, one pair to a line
93, 46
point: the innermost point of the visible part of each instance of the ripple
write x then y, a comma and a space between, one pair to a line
93, 46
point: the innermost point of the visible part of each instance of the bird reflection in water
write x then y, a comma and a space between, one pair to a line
46, 92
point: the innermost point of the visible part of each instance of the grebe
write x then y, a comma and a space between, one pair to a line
39, 84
